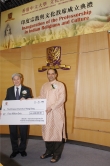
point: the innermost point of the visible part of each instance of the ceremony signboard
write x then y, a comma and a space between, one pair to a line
46, 20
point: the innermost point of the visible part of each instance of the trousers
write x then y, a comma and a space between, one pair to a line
54, 148
16, 145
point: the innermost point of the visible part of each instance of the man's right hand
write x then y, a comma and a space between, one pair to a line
48, 110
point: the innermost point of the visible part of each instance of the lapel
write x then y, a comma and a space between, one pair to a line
13, 93
22, 88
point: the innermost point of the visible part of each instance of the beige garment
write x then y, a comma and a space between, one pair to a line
9, 41
54, 130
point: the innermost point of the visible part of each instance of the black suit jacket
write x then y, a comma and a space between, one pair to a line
11, 94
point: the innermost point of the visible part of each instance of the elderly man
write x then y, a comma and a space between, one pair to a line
54, 130
18, 92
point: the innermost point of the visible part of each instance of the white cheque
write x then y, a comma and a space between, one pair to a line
22, 112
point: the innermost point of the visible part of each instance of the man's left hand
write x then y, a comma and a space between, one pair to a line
22, 98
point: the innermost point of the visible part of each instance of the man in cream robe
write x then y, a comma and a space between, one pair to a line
54, 130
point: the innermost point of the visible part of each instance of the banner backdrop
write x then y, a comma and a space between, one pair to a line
45, 20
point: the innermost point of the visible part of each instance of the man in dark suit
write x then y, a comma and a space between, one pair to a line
18, 92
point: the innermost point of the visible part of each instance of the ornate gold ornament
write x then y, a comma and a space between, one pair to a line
53, 59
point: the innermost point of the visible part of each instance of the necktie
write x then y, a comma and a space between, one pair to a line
17, 93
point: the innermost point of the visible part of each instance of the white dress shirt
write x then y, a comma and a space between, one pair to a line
15, 88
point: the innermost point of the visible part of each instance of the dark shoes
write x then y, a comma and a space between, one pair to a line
45, 155
55, 159
13, 154
23, 154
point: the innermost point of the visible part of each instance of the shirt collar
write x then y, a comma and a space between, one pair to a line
18, 87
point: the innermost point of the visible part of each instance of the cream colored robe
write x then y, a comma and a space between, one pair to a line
54, 130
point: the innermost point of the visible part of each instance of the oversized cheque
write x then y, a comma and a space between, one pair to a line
28, 112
